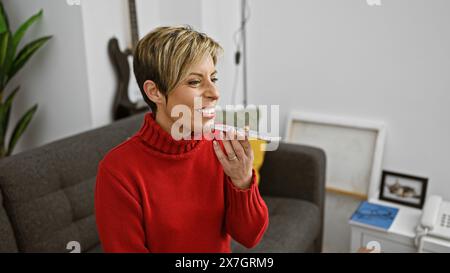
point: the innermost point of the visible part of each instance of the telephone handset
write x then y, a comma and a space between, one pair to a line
436, 217
435, 220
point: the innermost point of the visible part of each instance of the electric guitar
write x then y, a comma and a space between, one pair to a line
128, 99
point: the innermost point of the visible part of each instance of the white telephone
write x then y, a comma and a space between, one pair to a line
435, 220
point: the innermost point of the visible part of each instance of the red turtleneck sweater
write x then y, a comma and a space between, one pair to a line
157, 194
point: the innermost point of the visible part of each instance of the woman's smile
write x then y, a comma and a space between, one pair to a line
207, 112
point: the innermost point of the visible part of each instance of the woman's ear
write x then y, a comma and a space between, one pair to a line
153, 93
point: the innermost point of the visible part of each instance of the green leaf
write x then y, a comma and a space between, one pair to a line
6, 57
25, 54
5, 110
4, 37
20, 128
18, 35
4, 25
2, 124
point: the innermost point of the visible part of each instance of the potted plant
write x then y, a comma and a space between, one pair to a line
11, 61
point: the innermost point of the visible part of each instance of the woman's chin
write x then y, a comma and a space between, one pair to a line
208, 120
206, 126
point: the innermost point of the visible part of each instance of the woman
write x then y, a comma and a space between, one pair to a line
159, 193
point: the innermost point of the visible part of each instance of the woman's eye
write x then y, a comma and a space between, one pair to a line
194, 82
214, 80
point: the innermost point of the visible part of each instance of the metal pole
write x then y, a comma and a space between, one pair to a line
244, 50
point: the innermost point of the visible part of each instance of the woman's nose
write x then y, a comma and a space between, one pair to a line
212, 92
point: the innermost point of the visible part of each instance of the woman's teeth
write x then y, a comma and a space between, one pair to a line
207, 112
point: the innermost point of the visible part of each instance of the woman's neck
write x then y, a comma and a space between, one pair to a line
153, 134
164, 121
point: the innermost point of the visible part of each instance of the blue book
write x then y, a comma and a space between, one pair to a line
373, 215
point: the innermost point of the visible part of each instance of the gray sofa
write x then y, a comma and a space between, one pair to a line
47, 194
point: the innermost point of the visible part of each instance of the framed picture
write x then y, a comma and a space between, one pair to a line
403, 189
353, 147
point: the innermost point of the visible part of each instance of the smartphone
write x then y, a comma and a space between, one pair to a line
251, 133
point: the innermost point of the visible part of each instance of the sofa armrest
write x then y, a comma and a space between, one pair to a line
295, 171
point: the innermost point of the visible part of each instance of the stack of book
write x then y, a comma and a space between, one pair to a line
375, 216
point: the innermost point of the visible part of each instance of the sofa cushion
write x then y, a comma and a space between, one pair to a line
46, 223
95, 249
7, 239
293, 226
49, 191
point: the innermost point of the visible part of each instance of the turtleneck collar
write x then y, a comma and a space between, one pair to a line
156, 137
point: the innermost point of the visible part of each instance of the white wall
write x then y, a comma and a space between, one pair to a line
102, 20
148, 15
389, 63
221, 20
71, 78
218, 18
174, 12
56, 76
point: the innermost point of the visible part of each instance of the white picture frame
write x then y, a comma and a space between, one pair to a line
354, 149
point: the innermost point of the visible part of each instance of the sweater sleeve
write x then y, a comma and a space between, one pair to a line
118, 214
246, 216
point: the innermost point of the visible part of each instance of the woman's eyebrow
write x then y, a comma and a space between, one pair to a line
200, 74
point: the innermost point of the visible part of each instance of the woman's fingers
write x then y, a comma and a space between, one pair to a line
236, 144
229, 148
237, 147
236, 161
245, 143
220, 154
246, 146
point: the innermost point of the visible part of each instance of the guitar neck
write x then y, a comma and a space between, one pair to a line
133, 23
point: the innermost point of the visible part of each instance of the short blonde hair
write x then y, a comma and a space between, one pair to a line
165, 55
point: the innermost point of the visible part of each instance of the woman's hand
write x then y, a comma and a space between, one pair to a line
238, 161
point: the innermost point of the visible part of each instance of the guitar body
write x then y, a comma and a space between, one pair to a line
122, 63
122, 106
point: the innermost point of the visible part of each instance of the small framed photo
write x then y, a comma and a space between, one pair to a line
403, 189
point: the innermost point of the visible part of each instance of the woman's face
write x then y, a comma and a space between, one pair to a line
196, 94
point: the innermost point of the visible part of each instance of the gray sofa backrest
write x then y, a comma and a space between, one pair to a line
7, 239
48, 192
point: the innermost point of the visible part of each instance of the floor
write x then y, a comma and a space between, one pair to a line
338, 210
